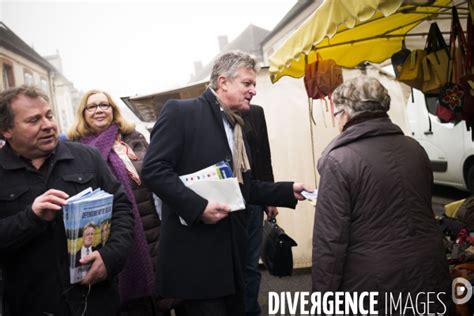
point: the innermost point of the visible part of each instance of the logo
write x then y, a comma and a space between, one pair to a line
461, 290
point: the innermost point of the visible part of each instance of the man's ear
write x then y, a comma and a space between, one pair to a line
222, 83
6, 133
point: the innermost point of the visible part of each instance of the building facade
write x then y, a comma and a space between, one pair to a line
20, 64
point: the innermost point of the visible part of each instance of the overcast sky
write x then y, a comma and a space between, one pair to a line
131, 48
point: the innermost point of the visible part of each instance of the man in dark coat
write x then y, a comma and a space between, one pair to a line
374, 227
204, 261
255, 129
42, 173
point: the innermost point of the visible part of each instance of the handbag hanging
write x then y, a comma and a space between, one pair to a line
411, 72
467, 81
436, 62
277, 254
399, 58
322, 77
452, 94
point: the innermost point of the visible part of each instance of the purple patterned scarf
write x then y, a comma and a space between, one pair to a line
137, 278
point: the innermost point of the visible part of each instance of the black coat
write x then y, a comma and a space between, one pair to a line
199, 261
33, 252
255, 130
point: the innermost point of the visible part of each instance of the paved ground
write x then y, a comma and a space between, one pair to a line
301, 278
299, 281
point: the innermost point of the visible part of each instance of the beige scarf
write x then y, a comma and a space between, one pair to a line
240, 158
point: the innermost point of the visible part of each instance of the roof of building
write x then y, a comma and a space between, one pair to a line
147, 107
11, 41
249, 41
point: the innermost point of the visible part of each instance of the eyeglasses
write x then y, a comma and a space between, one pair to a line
94, 107
338, 112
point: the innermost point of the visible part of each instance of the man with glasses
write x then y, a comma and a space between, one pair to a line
38, 174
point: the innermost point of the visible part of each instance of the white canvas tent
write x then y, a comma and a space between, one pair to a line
286, 110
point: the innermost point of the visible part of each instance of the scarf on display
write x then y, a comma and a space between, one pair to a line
137, 278
240, 159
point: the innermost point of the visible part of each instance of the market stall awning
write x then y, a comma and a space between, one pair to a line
350, 32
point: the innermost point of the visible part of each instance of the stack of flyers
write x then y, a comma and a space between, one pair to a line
87, 217
218, 171
216, 183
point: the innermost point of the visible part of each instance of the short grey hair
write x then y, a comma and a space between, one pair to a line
9, 95
361, 94
228, 63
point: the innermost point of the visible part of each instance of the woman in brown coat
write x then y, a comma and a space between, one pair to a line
99, 123
374, 227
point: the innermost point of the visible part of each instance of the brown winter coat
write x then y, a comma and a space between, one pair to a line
374, 227
149, 217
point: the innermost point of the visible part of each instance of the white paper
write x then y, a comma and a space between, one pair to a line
158, 205
224, 191
310, 195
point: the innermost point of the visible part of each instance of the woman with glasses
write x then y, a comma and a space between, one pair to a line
99, 123
374, 227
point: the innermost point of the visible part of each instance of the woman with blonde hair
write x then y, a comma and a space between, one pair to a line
99, 123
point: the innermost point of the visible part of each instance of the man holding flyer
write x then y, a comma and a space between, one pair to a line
38, 174
203, 262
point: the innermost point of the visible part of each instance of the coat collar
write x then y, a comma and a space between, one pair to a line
10, 160
211, 100
366, 129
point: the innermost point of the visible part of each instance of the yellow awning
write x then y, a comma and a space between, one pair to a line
350, 32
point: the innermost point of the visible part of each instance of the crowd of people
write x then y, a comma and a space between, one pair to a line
373, 230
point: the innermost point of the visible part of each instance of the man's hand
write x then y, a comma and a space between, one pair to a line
298, 188
214, 212
47, 204
271, 211
97, 272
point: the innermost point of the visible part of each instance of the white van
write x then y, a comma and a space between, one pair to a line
450, 146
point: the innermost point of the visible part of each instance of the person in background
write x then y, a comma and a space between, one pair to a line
204, 261
255, 129
374, 228
41, 173
99, 123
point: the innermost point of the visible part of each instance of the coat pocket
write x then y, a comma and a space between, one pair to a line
10, 200
79, 181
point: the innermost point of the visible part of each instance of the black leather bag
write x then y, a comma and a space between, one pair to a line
277, 255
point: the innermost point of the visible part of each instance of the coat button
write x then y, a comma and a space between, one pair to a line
80, 179
12, 195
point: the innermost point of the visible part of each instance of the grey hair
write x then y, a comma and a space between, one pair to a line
361, 94
228, 63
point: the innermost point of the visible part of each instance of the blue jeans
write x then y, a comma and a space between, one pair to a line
252, 273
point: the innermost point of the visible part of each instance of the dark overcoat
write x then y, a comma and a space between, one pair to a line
199, 261
255, 130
